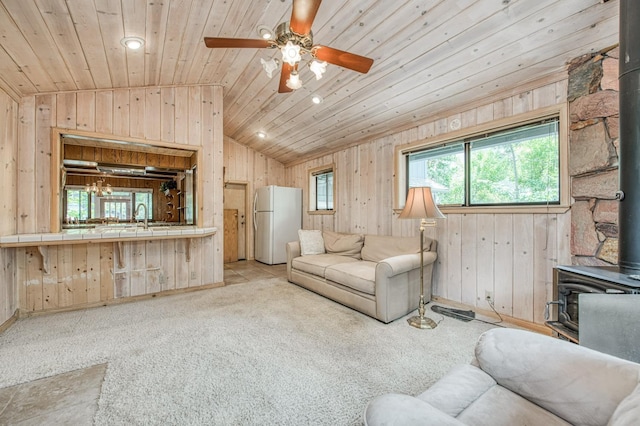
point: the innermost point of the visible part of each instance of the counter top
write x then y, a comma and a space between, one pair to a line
105, 234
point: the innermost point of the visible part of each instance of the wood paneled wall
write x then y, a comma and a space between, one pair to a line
8, 177
184, 115
244, 165
511, 255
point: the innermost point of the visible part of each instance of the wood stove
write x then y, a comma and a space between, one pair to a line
571, 281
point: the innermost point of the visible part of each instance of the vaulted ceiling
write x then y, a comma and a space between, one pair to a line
431, 56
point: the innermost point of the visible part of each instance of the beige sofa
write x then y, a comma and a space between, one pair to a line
376, 275
522, 378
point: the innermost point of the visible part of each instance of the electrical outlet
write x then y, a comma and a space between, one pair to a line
488, 296
193, 275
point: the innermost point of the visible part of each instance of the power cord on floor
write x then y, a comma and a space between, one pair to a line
493, 308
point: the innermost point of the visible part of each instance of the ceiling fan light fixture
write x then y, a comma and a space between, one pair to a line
291, 53
270, 66
318, 68
294, 81
133, 43
264, 32
294, 39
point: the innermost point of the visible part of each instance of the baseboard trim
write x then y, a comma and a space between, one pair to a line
538, 328
119, 301
8, 323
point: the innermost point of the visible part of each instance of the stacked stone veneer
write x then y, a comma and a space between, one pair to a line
593, 158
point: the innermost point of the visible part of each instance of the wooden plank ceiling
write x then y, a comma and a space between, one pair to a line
431, 56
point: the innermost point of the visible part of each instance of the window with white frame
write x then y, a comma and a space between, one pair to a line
516, 165
321, 189
81, 206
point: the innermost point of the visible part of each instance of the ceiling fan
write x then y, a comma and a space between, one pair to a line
295, 39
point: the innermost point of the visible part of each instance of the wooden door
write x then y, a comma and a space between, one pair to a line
235, 197
230, 235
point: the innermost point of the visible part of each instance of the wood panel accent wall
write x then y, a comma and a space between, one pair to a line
8, 202
244, 165
126, 157
511, 255
84, 274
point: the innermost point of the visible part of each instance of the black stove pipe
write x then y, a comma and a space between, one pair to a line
629, 156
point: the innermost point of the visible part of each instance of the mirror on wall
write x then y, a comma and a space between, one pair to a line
113, 182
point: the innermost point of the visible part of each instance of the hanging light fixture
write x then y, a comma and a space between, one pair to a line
294, 82
270, 66
318, 68
291, 53
98, 189
293, 47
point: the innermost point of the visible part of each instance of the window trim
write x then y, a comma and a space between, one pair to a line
561, 111
100, 206
311, 185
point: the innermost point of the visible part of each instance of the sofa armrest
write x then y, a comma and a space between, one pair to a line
395, 265
397, 286
293, 251
404, 410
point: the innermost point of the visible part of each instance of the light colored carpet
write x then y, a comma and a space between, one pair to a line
266, 352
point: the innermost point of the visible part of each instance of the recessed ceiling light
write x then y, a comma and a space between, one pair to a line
316, 99
133, 43
265, 32
261, 135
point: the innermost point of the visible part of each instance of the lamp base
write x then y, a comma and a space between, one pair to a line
422, 322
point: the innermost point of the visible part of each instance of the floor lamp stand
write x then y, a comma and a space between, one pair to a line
420, 321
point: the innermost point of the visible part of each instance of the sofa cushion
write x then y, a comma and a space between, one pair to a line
311, 242
317, 264
359, 275
343, 244
394, 409
628, 412
501, 407
454, 392
380, 247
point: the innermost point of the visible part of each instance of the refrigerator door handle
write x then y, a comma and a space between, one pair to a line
255, 201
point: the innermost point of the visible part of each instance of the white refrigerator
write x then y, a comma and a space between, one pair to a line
277, 217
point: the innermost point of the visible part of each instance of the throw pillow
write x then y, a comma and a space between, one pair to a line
343, 244
311, 242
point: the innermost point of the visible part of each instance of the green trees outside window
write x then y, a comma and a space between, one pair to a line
516, 166
324, 191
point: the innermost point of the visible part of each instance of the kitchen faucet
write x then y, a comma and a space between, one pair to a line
146, 225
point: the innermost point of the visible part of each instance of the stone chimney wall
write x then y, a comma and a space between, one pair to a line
593, 158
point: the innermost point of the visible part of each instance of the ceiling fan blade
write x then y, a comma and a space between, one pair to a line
217, 42
302, 15
343, 59
284, 76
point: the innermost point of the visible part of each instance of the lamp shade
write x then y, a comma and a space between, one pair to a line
269, 66
420, 205
294, 82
